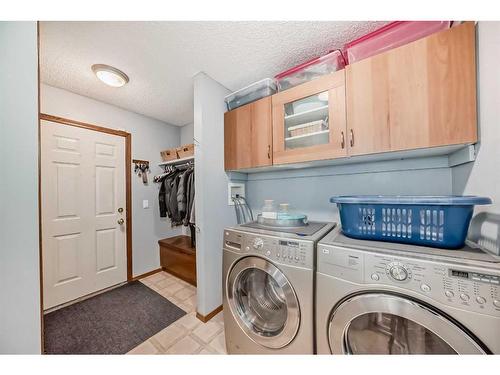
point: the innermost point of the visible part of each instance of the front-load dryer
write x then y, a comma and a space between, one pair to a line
268, 288
386, 298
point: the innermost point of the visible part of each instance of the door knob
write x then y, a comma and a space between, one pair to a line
121, 221
120, 210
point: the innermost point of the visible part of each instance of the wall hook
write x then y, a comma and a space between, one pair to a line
141, 167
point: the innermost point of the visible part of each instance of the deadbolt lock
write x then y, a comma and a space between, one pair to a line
120, 210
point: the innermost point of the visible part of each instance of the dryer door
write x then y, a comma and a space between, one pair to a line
263, 302
383, 323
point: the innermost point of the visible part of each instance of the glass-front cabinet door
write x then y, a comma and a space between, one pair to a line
309, 121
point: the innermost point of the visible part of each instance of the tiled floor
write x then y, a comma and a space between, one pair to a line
188, 335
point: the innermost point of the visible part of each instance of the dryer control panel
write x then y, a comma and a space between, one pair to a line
459, 285
451, 283
279, 250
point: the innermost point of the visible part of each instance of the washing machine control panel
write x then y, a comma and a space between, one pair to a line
279, 250
461, 286
398, 271
453, 283
258, 243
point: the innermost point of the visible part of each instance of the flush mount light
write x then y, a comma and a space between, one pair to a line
110, 75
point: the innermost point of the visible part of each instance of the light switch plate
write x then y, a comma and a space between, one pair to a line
145, 203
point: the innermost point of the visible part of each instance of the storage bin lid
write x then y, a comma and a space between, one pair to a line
304, 65
441, 200
382, 30
374, 33
266, 82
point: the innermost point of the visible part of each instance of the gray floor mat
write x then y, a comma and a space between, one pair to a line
113, 322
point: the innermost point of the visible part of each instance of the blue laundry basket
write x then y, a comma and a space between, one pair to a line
437, 221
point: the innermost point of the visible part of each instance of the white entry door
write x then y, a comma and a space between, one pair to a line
83, 212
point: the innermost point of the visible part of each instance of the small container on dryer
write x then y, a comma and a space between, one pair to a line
269, 210
284, 209
281, 218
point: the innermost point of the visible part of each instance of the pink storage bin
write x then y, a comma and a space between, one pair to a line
310, 70
390, 36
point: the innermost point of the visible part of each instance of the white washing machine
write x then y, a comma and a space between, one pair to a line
384, 298
268, 286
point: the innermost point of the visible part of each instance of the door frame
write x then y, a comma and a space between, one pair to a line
128, 190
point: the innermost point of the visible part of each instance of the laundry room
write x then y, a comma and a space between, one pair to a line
205, 186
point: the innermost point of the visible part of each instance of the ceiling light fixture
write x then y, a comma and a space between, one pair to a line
110, 75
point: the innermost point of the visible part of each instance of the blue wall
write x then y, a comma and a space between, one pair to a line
212, 212
483, 176
19, 253
309, 190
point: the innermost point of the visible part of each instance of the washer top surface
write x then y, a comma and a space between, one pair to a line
467, 254
313, 231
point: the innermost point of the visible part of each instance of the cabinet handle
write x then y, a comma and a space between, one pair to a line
352, 138
342, 140
269, 151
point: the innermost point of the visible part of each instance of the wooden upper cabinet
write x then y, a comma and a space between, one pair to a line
419, 95
309, 121
248, 136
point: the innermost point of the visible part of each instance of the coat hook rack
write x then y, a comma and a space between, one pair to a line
141, 167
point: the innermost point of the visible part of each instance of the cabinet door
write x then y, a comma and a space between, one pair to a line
247, 136
419, 95
309, 121
237, 130
367, 103
433, 90
261, 137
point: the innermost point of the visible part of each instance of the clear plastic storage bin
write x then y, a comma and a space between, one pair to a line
438, 221
390, 36
310, 70
251, 93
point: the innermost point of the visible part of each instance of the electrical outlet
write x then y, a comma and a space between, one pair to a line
234, 189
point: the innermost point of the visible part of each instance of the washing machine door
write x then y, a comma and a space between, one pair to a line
382, 323
263, 302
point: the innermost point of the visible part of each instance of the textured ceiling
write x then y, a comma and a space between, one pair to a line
161, 57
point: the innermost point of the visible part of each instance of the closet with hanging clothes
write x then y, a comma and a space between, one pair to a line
176, 202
